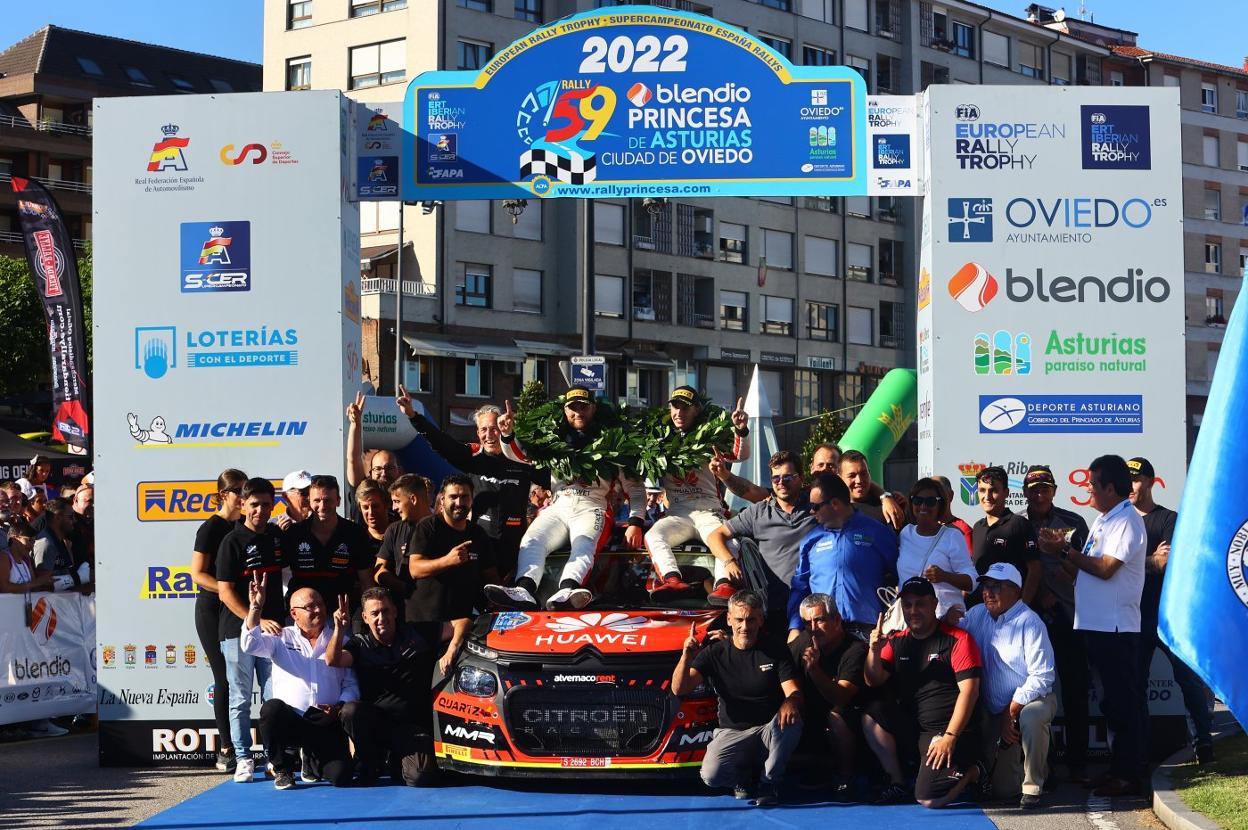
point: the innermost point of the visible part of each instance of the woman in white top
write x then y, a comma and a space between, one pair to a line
17, 569
934, 551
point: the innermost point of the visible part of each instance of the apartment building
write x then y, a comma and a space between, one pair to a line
817, 291
47, 82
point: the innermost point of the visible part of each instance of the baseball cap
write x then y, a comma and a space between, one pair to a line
1002, 572
684, 395
1141, 467
1038, 474
298, 480
578, 393
918, 586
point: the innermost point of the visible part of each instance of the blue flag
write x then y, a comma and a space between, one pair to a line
1204, 602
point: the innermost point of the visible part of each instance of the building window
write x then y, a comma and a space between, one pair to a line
530, 10
1030, 59
1209, 150
474, 286
1116, 78
1243, 260
860, 65
819, 256
472, 215
806, 399
473, 378
777, 315
778, 249
859, 261
963, 40
418, 374
1241, 103
721, 385
364, 8
931, 73
1060, 76
378, 63
1241, 160
886, 209
526, 291
858, 206
608, 296
652, 296
732, 247
1213, 204
818, 56
861, 326
652, 231
824, 10
473, 54
996, 49
299, 14
179, 82
734, 310
1170, 80
822, 321
477, 5
782, 5
1215, 308
887, 74
1213, 257
528, 224
781, 45
1208, 98
299, 73
856, 14
695, 301
892, 330
827, 204
137, 76
890, 262
608, 224
886, 19
1088, 70
89, 67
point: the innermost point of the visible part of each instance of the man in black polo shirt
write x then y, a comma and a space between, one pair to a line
1002, 536
935, 670
760, 702
829, 667
409, 497
326, 552
252, 547
394, 665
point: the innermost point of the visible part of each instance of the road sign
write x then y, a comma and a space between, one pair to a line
590, 371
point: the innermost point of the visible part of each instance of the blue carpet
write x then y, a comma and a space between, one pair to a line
464, 804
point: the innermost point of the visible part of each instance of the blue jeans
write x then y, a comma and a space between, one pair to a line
241, 667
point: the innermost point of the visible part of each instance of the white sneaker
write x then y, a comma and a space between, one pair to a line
568, 599
516, 598
245, 771
45, 729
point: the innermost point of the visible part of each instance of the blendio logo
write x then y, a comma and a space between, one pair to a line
58, 666
1130, 287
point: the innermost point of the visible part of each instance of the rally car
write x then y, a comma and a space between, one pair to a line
559, 693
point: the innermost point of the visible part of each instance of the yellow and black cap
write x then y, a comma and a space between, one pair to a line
579, 394
1141, 467
685, 396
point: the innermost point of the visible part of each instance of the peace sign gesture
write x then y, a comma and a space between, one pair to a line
878, 638
355, 408
342, 617
506, 421
404, 402
256, 589
740, 420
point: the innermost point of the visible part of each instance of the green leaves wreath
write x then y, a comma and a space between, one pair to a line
543, 433
667, 451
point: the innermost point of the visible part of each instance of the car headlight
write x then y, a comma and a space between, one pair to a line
476, 682
480, 650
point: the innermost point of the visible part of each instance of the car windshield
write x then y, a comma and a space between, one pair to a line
620, 579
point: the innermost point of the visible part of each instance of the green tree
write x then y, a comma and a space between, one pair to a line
24, 362
827, 430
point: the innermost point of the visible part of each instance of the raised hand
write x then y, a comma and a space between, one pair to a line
810, 658
404, 402
719, 467
342, 617
934, 574
877, 636
256, 589
506, 421
692, 646
355, 408
740, 420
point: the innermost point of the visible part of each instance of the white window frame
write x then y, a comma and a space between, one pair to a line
304, 64
1213, 204
778, 249
607, 286
991, 44
1208, 97
377, 64
519, 275
778, 311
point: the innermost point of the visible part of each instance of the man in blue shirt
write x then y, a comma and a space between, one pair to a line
846, 556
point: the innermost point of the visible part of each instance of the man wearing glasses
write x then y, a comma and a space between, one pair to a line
579, 513
847, 556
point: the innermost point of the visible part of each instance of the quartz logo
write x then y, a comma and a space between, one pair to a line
1116, 137
970, 220
973, 287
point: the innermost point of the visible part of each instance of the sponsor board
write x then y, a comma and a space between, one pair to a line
185, 501
1116, 137
1003, 352
156, 348
157, 434
1061, 220
1061, 414
215, 256
983, 143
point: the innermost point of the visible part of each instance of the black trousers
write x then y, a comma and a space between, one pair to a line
377, 733
1116, 657
1070, 655
285, 730
206, 620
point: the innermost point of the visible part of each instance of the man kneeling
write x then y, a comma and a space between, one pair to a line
760, 702
307, 694
395, 666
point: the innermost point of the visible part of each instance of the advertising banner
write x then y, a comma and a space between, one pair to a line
1050, 289
226, 331
893, 145
47, 643
50, 254
377, 171
635, 101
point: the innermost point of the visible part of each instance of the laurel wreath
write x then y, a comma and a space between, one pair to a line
668, 451
543, 432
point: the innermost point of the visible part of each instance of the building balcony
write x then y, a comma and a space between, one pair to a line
411, 288
55, 137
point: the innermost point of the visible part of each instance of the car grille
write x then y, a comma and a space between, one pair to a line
586, 721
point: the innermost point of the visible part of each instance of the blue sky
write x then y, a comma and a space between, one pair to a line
1212, 31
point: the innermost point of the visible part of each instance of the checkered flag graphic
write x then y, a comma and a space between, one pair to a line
573, 170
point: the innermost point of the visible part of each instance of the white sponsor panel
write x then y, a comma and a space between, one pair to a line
47, 644
227, 330
1050, 308
893, 157
375, 173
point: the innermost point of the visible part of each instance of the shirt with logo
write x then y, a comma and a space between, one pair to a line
449, 594
1010, 539
845, 662
330, 568
396, 678
747, 681
244, 552
847, 563
778, 533
926, 672
1055, 580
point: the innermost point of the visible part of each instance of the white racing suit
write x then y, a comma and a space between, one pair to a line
578, 513
694, 509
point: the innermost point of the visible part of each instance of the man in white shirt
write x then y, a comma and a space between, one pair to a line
1108, 587
307, 693
1017, 689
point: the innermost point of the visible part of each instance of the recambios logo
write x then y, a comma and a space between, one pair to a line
216, 256
184, 501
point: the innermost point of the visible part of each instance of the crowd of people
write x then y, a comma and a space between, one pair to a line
47, 543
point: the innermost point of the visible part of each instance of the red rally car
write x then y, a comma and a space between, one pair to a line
551, 693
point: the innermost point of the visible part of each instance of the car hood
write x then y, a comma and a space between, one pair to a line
610, 632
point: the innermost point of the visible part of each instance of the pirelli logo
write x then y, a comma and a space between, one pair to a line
184, 501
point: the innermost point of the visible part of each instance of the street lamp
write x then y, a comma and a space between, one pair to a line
515, 207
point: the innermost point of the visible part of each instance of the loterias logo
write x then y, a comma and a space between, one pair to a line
1007, 353
1116, 137
184, 501
156, 347
974, 287
215, 256
212, 433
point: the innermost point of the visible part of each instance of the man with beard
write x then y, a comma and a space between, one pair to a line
694, 506
500, 485
580, 513
325, 551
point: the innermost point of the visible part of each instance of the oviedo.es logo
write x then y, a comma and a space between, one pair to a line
215, 256
1060, 219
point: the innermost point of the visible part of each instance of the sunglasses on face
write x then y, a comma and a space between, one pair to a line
787, 478
818, 505
925, 501
579, 406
